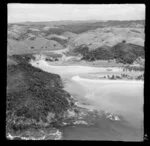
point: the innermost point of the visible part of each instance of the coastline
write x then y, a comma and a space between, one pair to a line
80, 69
43, 62
78, 78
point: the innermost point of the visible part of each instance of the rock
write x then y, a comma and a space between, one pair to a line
80, 122
50, 117
112, 117
44, 134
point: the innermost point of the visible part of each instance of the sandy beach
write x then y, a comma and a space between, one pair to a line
123, 97
72, 68
78, 78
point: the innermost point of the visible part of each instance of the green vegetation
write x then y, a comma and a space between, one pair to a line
32, 94
74, 27
122, 52
36, 99
133, 68
125, 76
60, 41
127, 53
80, 27
57, 31
103, 53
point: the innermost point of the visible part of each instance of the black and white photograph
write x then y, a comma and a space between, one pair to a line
75, 72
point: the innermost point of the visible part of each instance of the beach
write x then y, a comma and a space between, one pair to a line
117, 97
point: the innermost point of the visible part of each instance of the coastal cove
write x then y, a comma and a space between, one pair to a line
118, 97
75, 72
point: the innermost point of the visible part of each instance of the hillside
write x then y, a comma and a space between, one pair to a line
45, 36
109, 37
122, 52
32, 46
82, 26
35, 99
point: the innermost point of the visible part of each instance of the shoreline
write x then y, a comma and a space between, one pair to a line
80, 64
80, 69
78, 78
74, 66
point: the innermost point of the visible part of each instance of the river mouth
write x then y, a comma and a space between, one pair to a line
122, 99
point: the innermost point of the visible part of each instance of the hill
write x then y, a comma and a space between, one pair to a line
32, 46
44, 36
122, 52
35, 99
109, 37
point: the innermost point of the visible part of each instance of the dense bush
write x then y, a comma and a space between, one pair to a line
134, 68
59, 40
99, 54
122, 52
127, 53
43, 93
57, 31
83, 50
102, 53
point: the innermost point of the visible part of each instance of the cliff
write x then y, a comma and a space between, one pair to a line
35, 99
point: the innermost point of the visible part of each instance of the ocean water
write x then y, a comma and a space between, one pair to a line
121, 98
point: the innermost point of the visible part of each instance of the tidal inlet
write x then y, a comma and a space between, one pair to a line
70, 77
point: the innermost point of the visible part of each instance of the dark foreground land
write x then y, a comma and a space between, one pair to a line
36, 100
